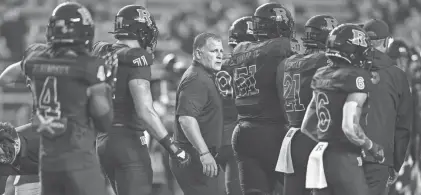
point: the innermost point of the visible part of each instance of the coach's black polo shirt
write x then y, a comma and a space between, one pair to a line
198, 97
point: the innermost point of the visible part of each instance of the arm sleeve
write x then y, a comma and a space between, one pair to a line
192, 98
403, 123
357, 81
142, 72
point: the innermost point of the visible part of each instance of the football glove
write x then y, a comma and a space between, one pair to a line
9, 143
175, 152
111, 66
376, 151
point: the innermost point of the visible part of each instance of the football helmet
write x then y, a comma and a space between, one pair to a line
134, 22
241, 30
398, 48
71, 23
273, 20
317, 29
10, 143
350, 43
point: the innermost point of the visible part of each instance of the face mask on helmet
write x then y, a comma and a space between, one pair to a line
317, 30
272, 20
268, 28
313, 38
70, 24
135, 23
351, 44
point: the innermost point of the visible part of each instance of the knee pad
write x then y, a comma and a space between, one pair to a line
255, 192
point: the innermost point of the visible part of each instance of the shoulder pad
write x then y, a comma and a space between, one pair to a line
318, 60
278, 47
35, 47
241, 47
293, 62
226, 60
345, 79
101, 48
134, 57
357, 80
226, 56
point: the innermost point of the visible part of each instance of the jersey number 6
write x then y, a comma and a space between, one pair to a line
323, 114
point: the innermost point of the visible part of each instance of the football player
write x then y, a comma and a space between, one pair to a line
23, 171
28, 176
123, 152
18, 150
262, 123
339, 101
70, 95
239, 31
297, 72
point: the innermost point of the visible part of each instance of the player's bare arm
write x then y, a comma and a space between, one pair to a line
351, 125
10, 75
141, 93
309, 117
100, 106
351, 120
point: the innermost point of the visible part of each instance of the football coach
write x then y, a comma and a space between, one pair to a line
390, 114
199, 119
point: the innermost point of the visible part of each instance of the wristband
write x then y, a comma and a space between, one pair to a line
204, 153
167, 143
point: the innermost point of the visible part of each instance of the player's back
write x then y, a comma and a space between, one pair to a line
133, 63
332, 85
299, 70
59, 81
254, 67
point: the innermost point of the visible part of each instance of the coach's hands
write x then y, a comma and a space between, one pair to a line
377, 152
210, 168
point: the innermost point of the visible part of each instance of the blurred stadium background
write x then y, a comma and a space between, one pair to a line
23, 22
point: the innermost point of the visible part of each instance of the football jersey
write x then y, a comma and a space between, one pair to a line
133, 63
299, 70
254, 66
36, 47
332, 85
224, 84
59, 82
